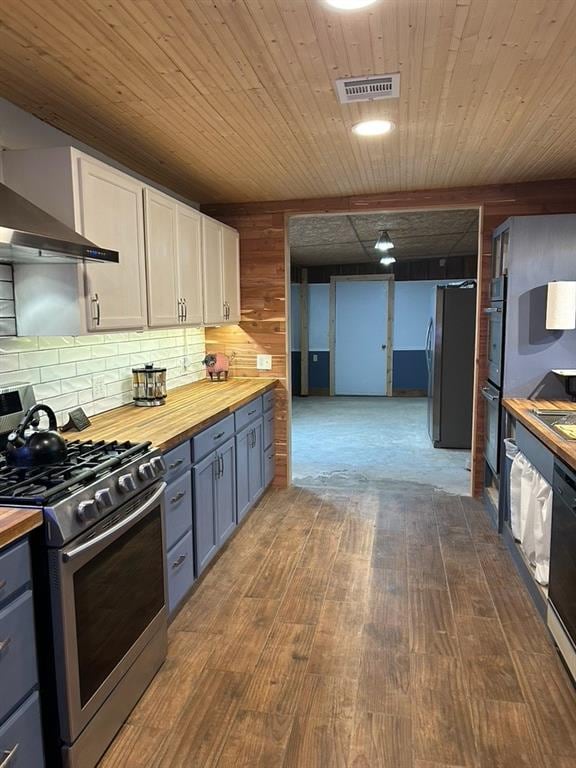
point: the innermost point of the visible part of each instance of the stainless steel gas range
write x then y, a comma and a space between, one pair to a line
100, 585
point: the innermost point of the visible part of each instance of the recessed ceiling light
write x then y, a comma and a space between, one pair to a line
350, 5
373, 127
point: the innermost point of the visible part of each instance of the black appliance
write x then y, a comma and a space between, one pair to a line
29, 448
100, 588
562, 583
492, 426
496, 319
450, 358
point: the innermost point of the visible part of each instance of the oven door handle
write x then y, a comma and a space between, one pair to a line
487, 395
493, 311
126, 522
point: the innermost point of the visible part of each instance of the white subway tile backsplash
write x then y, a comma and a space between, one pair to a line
9, 363
38, 359
76, 383
53, 372
62, 368
73, 354
90, 366
104, 350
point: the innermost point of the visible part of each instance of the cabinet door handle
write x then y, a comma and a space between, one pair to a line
175, 564
219, 435
185, 310
4, 645
96, 305
216, 465
221, 463
179, 310
7, 756
271, 456
176, 464
176, 499
251, 413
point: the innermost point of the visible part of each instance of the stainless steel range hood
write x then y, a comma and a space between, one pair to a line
30, 235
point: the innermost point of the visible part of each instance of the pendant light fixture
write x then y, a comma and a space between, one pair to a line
387, 261
384, 242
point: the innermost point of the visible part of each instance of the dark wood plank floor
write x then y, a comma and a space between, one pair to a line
367, 629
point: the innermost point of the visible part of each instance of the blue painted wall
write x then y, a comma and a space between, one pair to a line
410, 370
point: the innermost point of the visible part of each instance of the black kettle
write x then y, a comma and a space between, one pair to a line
44, 446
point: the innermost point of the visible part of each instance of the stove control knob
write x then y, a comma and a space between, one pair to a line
87, 510
103, 498
126, 483
146, 472
158, 465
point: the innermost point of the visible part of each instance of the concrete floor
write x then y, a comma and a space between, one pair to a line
369, 441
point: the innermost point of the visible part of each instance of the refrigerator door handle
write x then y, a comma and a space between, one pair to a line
429, 344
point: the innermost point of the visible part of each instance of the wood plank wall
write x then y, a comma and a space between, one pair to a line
263, 234
263, 281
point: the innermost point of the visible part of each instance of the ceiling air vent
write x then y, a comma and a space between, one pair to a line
371, 88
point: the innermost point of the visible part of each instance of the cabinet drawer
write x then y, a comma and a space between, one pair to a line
268, 428
536, 452
269, 466
248, 413
18, 652
14, 570
177, 460
180, 567
178, 508
212, 437
268, 400
21, 735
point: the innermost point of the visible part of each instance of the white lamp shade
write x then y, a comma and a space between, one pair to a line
561, 306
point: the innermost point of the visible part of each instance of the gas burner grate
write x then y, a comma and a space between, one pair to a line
86, 461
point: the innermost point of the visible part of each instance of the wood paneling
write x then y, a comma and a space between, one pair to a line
234, 99
263, 228
265, 687
15, 523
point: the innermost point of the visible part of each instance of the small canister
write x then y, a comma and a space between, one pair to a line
149, 385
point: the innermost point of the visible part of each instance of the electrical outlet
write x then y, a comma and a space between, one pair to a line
264, 362
98, 386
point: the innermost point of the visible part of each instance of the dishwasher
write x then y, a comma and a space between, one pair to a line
562, 586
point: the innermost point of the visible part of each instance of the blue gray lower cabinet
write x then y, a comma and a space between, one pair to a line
249, 466
20, 724
180, 567
21, 736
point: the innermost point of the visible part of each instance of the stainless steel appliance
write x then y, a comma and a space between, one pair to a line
100, 585
16, 399
495, 314
28, 235
562, 584
450, 359
492, 426
149, 385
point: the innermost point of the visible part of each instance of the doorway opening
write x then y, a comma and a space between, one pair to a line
382, 355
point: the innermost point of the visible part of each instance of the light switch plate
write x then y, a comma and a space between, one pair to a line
98, 386
264, 362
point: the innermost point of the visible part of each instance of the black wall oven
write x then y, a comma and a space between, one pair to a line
107, 592
562, 584
495, 314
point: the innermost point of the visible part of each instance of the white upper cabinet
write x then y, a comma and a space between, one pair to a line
177, 266
231, 274
189, 224
110, 214
173, 261
221, 273
104, 205
164, 300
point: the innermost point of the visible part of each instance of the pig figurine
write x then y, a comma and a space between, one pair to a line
216, 364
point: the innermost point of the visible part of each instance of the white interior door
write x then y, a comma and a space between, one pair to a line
361, 337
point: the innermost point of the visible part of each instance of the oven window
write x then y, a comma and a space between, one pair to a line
117, 594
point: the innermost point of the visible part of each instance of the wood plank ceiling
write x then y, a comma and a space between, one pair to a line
233, 100
324, 240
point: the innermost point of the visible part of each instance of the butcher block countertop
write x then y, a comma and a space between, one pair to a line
16, 522
522, 410
187, 411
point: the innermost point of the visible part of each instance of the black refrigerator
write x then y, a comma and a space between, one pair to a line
450, 358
